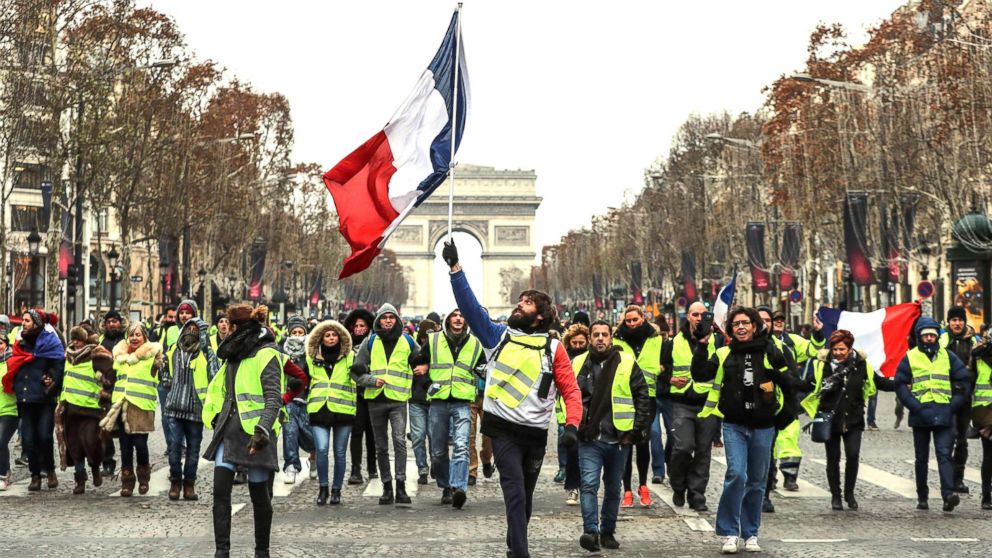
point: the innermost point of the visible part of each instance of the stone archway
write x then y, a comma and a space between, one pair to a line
497, 207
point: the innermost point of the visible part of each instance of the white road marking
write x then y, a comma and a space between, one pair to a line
893, 483
970, 474
281, 490
374, 488
236, 508
817, 541
806, 489
19, 489
685, 513
926, 539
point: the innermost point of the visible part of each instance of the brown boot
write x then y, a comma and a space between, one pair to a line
80, 487
97, 475
53, 480
35, 485
127, 482
174, 489
144, 475
189, 490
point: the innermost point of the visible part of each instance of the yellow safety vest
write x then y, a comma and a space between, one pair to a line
621, 396
712, 405
983, 385
249, 397
395, 371
456, 378
811, 403
80, 386
682, 364
337, 392
931, 379
649, 360
201, 379
8, 401
515, 371
136, 383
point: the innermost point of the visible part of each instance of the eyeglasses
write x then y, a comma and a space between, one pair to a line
740, 323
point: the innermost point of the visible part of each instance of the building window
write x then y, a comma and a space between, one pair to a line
29, 176
24, 218
99, 286
28, 281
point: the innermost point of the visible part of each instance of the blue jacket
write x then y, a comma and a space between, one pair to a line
932, 414
49, 359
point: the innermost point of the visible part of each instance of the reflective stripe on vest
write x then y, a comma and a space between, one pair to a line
395, 371
250, 400
456, 378
931, 379
648, 360
515, 371
337, 392
136, 384
983, 384
80, 386
682, 364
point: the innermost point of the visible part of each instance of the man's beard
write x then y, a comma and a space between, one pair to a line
521, 320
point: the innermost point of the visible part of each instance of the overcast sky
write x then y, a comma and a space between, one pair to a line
588, 94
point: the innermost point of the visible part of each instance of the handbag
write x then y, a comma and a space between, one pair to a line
822, 426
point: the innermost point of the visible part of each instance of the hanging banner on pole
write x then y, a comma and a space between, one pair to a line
689, 275
257, 270
855, 240
597, 290
636, 292
754, 238
789, 257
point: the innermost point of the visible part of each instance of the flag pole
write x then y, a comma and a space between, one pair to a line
454, 121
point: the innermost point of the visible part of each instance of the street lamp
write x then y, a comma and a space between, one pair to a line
112, 257
34, 245
230, 285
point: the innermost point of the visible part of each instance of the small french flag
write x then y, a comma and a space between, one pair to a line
883, 334
723, 302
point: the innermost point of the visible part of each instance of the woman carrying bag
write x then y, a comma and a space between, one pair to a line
843, 383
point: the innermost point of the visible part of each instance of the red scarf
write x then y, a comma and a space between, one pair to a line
18, 358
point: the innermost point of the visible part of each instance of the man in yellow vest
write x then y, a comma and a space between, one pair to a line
642, 340
981, 410
959, 339
383, 367
453, 358
616, 413
691, 435
933, 384
526, 370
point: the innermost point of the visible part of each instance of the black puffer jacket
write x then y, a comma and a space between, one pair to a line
842, 389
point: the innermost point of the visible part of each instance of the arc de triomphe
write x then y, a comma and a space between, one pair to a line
496, 207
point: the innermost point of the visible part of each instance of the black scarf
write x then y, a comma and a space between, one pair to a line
330, 354
573, 353
240, 344
637, 336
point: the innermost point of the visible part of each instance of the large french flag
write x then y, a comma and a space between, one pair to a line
882, 334
391, 174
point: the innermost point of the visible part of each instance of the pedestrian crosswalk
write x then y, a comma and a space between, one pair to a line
806, 488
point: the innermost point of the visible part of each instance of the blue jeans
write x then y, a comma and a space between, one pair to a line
451, 419
296, 434
607, 460
8, 425
192, 433
418, 434
872, 408
255, 474
660, 452
166, 421
321, 442
749, 451
943, 442
562, 455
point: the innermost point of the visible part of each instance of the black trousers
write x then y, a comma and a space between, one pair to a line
852, 453
643, 461
363, 426
986, 466
519, 467
962, 420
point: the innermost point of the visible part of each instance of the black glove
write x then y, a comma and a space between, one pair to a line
258, 441
450, 253
570, 436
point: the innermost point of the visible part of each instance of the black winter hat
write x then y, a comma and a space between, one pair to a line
956, 312
112, 314
581, 317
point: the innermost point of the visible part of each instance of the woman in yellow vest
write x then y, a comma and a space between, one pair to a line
8, 418
331, 403
86, 389
749, 380
137, 362
243, 406
981, 412
843, 383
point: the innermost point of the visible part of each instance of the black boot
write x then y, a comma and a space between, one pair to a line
835, 503
335, 496
851, 502
387, 494
223, 481
986, 501
261, 503
322, 496
401, 497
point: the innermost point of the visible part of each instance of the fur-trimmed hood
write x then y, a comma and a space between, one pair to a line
824, 355
149, 350
317, 333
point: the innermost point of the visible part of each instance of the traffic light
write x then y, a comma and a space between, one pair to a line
71, 281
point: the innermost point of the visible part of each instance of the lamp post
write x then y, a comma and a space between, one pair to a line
231, 279
34, 244
112, 257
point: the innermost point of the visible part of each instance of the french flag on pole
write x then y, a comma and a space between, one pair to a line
380, 183
723, 302
882, 334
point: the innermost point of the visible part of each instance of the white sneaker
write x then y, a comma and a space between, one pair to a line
5, 482
731, 545
313, 468
751, 545
289, 476
573, 498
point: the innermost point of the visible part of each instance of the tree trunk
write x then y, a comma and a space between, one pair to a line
124, 282
53, 241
